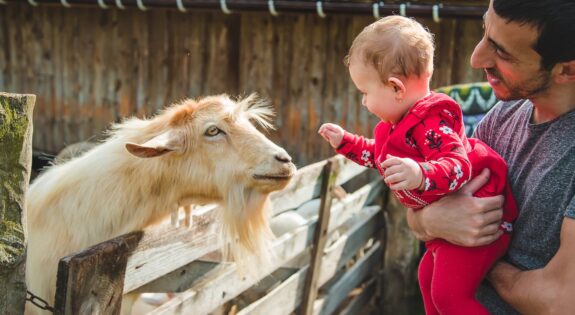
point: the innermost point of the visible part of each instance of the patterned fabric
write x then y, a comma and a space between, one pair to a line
432, 134
475, 99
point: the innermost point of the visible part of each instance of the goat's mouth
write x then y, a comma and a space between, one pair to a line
274, 177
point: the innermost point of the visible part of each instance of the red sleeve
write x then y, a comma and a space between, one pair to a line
446, 167
358, 149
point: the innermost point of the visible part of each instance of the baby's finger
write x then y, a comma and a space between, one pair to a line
398, 186
390, 162
394, 179
392, 170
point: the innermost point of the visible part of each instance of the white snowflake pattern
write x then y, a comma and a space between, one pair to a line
446, 130
427, 184
507, 226
365, 155
458, 171
368, 164
453, 185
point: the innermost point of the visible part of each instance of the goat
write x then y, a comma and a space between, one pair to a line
197, 151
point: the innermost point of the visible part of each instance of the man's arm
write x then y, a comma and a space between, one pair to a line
459, 217
548, 290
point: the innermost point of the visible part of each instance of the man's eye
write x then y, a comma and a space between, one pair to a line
213, 131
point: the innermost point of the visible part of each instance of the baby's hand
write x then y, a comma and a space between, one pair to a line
332, 133
402, 173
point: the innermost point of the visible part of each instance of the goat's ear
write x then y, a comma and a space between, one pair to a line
157, 146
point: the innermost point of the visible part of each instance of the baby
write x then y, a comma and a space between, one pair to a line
421, 149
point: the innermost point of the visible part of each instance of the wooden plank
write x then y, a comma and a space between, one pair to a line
467, 35
183, 277
284, 299
165, 249
320, 238
92, 281
306, 183
359, 303
225, 283
349, 243
317, 81
352, 204
339, 290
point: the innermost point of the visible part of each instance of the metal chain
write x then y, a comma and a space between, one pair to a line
39, 302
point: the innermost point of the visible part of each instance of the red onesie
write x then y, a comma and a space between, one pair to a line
432, 133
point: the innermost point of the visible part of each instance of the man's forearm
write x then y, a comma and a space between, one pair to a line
529, 292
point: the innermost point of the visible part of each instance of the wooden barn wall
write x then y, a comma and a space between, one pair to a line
90, 67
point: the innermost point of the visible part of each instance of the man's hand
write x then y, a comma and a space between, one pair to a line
459, 217
402, 173
332, 133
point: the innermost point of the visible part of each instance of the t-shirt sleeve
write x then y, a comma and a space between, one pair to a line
358, 149
570, 212
446, 167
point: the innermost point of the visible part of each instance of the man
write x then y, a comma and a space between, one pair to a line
528, 54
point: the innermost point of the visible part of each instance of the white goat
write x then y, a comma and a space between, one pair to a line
196, 151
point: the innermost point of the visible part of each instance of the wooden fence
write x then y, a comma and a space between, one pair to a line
313, 271
90, 67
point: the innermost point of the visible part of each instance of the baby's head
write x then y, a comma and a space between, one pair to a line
395, 46
391, 60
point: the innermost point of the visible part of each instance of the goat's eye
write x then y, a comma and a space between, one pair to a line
213, 131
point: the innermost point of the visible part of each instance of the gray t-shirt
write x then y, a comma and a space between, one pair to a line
541, 162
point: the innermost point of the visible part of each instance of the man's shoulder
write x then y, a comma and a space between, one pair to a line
505, 110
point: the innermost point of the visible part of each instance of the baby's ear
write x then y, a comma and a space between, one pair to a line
397, 86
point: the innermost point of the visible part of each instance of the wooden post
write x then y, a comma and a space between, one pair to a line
15, 163
401, 261
320, 237
92, 281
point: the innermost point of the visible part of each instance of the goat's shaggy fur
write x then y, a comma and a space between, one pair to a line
196, 151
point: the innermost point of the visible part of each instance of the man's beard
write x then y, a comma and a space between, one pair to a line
522, 90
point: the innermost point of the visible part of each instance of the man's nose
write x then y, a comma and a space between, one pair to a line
482, 56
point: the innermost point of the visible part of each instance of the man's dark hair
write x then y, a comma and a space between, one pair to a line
555, 21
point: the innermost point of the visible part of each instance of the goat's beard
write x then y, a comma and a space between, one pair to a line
245, 228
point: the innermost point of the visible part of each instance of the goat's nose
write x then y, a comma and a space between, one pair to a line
283, 157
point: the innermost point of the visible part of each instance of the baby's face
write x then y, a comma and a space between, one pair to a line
379, 98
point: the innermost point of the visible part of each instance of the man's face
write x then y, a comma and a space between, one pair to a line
506, 53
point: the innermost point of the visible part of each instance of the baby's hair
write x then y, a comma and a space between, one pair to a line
394, 45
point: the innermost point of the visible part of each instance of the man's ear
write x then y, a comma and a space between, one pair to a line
398, 87
159, 145
565, 72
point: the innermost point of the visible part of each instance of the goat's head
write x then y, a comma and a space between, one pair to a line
211, 150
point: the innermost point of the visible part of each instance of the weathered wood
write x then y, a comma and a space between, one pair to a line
185, 276
92, 282
164, 249
224, 283
306, 183
338, 291
90, 67
282, 300
361, 302
287, 297
15, 162
401, 261
361, 229
320, 238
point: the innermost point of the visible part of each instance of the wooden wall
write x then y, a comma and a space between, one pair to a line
90, 67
